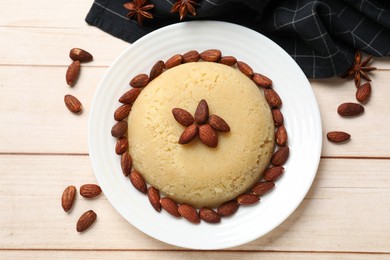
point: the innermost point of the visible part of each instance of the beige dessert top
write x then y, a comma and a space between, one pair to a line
194, 173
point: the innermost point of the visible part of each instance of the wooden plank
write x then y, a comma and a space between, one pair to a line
345, 211
32, 111
50, 46
150, 255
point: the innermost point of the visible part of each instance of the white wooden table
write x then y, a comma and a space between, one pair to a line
43, 149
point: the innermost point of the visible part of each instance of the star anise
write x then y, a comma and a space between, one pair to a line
139, 9
202, 124
359, 69
183, 7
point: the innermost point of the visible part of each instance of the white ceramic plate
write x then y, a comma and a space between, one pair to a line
302, 120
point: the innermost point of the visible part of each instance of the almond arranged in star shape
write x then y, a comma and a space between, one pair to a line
201, 124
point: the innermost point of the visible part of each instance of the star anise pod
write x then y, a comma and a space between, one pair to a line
139, 9
359, 69
201, 124
183, 7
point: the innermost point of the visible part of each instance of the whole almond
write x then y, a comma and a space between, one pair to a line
73, 104
208, 136
245, 68
278, 117
90, 190
154, 198
209, 215
170, 206
263, 187
363, 92
191, 56
86, 220
126, 164
139, 81
68, 197
72, 73
273, 173
228, 208
174, 61
138, 181
188, 212
281, 136
202, 112
156, 70
247, 199
350, 109
119, 129
212, 55
228, 60
81, 55
338, 136
130, 96
261, 80
188, 134
122, 145
182, 116
280, 156
217, 123
272, 98
122, 112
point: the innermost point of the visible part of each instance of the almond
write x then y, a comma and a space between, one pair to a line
263, 187
261, 80
119, 129
217, 123
247, 199
278, 117
73, 104
170, 206
338, 136
139, 81
122, 145
350, 109
209, 215
174, 61
188, 134
212, 55
156, 70
273, 173
86, 220
154, 198
126, 164
122, 112
182, 116
245, 68
363, 92
281, 136
90, 190
138, 181
81, 55
228, 208
130, 96
188, 212
72, 73
272, 98
191, 56
280, 156
228, 60
202, 112
208, 136
68, 197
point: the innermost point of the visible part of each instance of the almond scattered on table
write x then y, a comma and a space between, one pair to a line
72, 73
90, 191
350, 109
81, 55
363, 92
73, 104
68, 197
338, 136
86, 220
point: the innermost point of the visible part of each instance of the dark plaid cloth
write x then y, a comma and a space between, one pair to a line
322, 36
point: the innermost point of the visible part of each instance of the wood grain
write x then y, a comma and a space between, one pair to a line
342, 215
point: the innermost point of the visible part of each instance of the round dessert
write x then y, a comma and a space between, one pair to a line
194, 173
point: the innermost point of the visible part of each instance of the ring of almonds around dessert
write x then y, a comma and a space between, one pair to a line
200, 131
